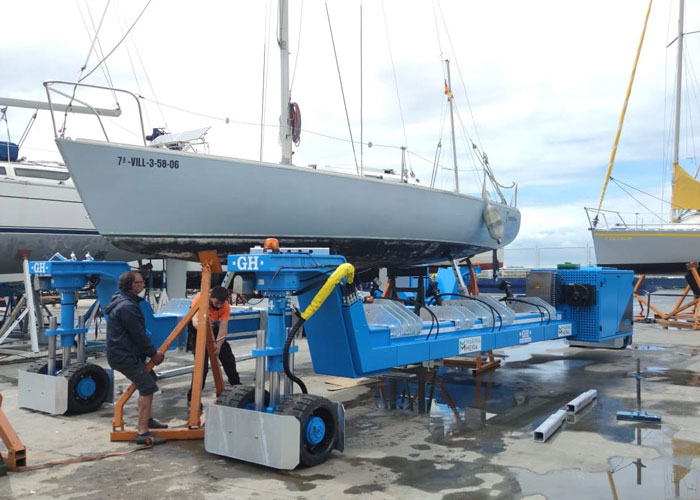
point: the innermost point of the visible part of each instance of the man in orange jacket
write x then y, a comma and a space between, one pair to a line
219, 313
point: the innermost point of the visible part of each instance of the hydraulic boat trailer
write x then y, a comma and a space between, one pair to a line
268, 424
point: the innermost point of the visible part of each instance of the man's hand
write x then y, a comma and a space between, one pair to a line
158, 358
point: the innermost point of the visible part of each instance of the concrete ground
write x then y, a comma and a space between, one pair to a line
480, 449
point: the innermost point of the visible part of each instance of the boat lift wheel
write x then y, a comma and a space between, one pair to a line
42, 367
319, 426
240, 396
88, 385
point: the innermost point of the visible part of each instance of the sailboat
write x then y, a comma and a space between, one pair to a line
374, 222
40, 211
663, 248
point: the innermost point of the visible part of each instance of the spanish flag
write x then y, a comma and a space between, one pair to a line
448, 92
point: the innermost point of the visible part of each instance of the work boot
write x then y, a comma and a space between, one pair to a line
154, 424
149, 439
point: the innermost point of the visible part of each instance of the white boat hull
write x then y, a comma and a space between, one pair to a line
185, 203
647, 251
39, 218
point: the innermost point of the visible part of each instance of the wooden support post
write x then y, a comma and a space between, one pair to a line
473, 285
16, 451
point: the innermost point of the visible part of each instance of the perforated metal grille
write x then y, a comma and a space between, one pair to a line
586, 319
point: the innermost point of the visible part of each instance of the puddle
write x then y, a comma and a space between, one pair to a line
672, 376
669, 476
523, 353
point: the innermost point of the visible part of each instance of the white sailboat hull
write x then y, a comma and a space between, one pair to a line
39, 218
174, 204
648, 251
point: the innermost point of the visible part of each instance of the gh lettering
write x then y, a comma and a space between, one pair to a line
247, 263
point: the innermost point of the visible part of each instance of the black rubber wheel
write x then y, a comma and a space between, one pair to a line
88, 385
627, 342
319, 426
240, 396
42, 367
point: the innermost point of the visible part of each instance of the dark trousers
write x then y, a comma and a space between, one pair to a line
226, 357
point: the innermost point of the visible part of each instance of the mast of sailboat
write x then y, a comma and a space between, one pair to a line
613, 153
448, 91
679, 76
283, 42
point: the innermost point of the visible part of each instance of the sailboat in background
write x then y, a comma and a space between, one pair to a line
653, 248
373, 222
40, 210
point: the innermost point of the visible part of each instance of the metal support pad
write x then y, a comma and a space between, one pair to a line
253, 436
43, 393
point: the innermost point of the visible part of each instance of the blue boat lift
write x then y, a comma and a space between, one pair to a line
271, 425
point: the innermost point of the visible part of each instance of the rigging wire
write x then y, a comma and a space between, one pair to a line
148, 80
266, 60
296, 55
459, 72
340, 78
87, 59
635, 199
437, 32
362, 123
133, 72
105, 69
667, 116
396, 85
693, 91
227, 120
118, 43
27, 129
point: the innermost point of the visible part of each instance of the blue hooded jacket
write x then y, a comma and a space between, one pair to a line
127, 340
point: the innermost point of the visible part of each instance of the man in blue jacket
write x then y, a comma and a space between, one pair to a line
128, 346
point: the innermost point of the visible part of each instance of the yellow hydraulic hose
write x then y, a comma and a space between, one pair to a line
341, 272
622, 117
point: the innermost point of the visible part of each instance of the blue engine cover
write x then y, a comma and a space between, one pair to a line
11, 148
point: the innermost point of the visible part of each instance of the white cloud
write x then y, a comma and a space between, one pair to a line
545, 81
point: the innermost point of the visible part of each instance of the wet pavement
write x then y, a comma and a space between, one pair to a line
454, 435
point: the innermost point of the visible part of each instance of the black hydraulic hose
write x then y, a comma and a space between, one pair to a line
435, 321
494, 311
523, 301
285, 355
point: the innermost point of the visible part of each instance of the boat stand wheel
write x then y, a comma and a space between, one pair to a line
319, 426
88, 385
240, 396
42, 367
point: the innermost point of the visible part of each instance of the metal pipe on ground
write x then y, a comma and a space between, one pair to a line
184, 370
549, 426
581, 401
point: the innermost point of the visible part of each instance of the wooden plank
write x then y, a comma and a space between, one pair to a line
339, 383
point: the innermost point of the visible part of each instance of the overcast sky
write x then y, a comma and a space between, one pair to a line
545, 81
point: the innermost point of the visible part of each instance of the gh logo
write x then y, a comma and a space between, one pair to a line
38, 267
247, 262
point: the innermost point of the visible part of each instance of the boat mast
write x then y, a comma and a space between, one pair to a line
283, 42
448, 91
679, 76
